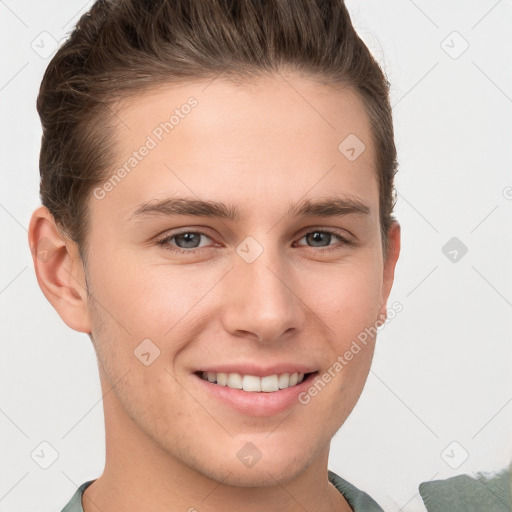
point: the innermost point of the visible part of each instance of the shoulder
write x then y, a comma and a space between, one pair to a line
75, 503
358, 500
480, 493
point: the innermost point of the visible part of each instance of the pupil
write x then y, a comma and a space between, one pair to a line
189, 239
317, 235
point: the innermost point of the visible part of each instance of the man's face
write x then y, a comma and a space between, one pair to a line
269, 293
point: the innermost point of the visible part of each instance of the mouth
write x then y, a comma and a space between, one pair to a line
254, 383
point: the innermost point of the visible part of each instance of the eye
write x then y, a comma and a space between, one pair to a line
189, 242
185, 242
323, 237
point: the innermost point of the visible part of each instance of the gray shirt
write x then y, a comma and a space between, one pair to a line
358, 500
461, 493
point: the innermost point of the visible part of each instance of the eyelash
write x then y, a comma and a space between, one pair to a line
164, 242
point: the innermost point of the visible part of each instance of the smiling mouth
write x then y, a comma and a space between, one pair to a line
253, 383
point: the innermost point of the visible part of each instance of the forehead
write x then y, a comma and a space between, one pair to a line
283, 134
306, 109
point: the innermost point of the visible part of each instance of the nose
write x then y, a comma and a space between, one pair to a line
262, 302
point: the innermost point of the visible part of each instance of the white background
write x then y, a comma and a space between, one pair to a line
441, 370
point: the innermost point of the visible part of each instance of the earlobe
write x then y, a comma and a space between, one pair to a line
390, 260
59, 270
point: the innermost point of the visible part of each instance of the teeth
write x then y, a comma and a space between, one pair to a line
222, 379
283, 381
252, 383
270, 383
234, 381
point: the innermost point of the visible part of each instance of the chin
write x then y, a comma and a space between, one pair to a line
258, 462
263, 474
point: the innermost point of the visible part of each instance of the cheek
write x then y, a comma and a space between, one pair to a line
146, 299
347, 297
347, 300
163, 303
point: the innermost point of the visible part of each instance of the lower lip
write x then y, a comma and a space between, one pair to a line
252, 403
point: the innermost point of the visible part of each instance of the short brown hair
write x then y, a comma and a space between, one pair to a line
124, 47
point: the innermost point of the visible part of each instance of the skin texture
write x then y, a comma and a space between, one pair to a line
261, 147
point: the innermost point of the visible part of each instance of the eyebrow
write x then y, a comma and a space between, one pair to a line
327, 207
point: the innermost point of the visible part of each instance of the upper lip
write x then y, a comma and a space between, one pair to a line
259, 370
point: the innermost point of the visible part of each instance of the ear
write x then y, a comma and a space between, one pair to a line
59, 270
390, 259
